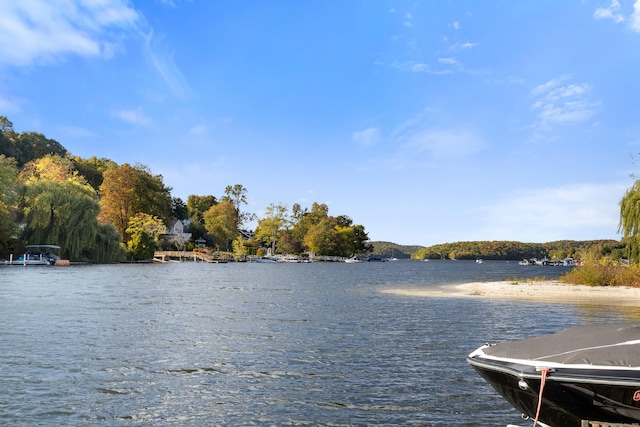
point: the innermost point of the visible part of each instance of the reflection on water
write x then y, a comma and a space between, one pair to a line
259, 344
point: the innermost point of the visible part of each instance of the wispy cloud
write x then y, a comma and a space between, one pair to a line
614, 12
135, 116
408, 20
611, 12
162, 60
198, 130
419, 146
10, 104
77, 132
41, 31
558, 103
462, 46
367, 137
545, 214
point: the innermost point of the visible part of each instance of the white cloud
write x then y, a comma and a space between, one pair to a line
33, 31
408, 20
611, 12
367, 137
590, 211
448, 61
162, 60
635, 17
136, 117
558, 104
461, 46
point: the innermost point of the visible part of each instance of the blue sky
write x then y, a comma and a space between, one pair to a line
425, 121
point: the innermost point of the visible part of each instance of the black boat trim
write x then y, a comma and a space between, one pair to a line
555, 373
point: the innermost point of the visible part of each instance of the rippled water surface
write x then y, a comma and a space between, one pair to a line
259, 344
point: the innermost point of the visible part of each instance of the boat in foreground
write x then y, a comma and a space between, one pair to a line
582, 376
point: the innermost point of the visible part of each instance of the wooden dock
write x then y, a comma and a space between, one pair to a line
195, 256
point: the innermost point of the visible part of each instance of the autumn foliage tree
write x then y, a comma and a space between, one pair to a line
129, 190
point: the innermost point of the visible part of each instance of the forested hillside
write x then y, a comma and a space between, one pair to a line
393, 250
99, 211
509, 250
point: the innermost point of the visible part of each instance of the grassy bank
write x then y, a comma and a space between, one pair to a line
604, 273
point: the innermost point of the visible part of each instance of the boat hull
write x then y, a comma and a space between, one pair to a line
569, 395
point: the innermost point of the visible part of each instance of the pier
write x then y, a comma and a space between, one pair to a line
195, 256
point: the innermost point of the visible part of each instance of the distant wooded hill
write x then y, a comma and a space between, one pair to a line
393, 250
509, 250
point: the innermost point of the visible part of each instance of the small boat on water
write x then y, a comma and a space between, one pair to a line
38, 255
582, 376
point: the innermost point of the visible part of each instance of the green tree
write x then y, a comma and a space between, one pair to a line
145, 231
179, 209
629, 223
41, 145
269, 227
237, 196
198, 205
92, 169
239, 247
221, 223
307, 219
323, 238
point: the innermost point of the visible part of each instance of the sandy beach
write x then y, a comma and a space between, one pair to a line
544, 291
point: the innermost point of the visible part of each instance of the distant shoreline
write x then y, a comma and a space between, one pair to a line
541, 291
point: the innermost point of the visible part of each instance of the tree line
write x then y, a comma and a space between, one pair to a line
511, 250
99, 211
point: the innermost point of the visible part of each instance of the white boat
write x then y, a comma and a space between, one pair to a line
261, 259
479, 260
352, 260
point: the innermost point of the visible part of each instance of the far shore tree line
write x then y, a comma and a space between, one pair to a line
99, 211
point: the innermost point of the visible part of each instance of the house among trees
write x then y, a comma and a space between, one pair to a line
176, 235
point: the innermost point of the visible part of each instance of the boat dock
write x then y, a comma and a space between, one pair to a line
180, 256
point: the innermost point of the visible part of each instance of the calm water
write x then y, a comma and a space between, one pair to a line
259, 344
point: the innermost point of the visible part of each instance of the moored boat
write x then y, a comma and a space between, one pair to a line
38, 255
582, 376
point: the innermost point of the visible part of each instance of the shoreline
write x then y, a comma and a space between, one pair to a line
540, 291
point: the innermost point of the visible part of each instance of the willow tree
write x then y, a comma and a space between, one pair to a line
62, 213
58, 206
8, 183
630, 221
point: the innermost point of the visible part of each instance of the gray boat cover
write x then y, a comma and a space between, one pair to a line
608, 345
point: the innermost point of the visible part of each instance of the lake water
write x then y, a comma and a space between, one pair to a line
186, 344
